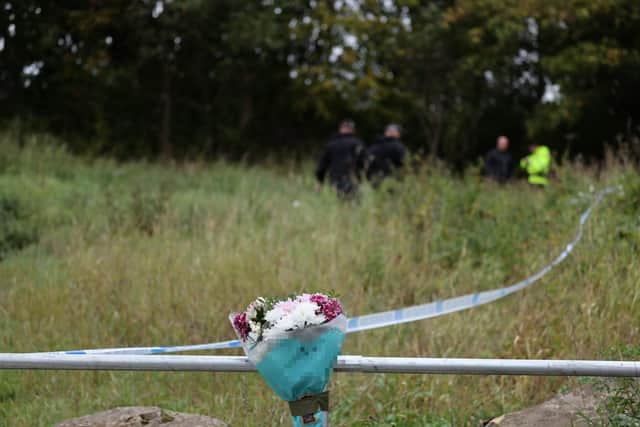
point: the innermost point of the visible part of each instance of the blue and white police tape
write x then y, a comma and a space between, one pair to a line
392, 317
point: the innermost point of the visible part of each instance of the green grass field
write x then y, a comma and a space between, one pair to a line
99, 254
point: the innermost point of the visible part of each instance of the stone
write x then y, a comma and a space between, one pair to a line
573, 409
142, 416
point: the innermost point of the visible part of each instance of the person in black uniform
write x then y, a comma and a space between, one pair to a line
385, 156
342, 161
499, 163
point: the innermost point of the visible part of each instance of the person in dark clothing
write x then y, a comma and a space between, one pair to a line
499, 164
342, 161
385, 156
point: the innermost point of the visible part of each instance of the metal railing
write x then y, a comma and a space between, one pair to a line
395, 365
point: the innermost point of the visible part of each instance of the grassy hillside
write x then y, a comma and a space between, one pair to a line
99, 254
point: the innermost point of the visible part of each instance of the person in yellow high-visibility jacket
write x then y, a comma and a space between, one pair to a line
537, 165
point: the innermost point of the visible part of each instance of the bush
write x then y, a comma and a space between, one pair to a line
16, 229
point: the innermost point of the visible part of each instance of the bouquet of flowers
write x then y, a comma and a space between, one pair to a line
294, 343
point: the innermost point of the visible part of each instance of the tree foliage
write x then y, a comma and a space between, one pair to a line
192, 77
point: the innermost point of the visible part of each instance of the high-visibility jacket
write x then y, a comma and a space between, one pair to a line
537, 165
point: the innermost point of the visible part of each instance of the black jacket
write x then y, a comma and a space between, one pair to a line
342, 160
385, 156
498, 165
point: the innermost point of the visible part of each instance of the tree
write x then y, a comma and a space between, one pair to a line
175, 78
592, 52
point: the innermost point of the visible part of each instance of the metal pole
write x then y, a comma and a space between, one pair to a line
395, 365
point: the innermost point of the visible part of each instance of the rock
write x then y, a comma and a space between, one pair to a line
573, 409
142, 416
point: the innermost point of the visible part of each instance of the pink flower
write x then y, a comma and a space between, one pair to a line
241, 325
330, 307
287, 305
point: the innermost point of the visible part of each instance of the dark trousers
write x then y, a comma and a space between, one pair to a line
345, 186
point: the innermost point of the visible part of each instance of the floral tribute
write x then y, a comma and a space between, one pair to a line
294, 344
267, 318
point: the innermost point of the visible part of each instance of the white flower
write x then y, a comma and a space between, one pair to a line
255, 330
304, 314
255, 326
252, 310
274, 315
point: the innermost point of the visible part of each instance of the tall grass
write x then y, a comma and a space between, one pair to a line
145, 254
